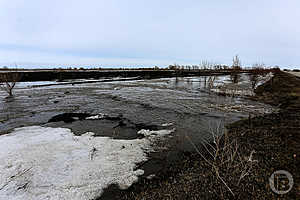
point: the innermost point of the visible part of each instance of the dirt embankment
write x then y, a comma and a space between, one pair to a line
282, 90
270, 143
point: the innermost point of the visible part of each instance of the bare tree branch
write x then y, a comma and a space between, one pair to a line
8, 81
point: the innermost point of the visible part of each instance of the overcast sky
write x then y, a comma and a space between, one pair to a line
148, 33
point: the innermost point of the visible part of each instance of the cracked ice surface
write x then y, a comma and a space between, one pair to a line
52, 163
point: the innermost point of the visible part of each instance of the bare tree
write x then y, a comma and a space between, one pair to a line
236, 67
8, 82
236, 62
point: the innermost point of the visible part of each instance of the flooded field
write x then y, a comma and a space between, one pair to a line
183, 102
122, 110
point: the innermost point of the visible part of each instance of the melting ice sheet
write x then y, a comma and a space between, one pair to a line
52, 163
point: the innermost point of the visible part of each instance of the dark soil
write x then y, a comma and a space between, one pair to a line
274, 139
282, 90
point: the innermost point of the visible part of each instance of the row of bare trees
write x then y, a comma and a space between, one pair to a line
204, 65
234, 68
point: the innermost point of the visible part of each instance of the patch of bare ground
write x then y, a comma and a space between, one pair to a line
237, 165
282, 90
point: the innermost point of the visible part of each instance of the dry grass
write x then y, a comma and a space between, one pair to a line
228, 164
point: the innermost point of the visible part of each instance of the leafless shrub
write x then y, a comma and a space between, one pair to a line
211, 81
258, 69
253, 80
223, 154
8, 81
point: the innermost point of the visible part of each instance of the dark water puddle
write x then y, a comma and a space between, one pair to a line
69, 117
117, 127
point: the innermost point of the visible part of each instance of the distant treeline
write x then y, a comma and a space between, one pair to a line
206, 67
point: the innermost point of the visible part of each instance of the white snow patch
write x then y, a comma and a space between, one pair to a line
149, 133
95, 117
263, 79
52, 163
151, 176
232, 92
168, 124
35, 83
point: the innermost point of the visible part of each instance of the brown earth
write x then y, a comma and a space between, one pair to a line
282, 90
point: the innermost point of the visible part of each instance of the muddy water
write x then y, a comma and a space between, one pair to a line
184, 102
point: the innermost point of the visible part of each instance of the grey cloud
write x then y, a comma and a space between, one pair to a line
178, 31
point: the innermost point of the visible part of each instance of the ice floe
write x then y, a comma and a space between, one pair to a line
168, 124
150, 133
95, 117
52, 163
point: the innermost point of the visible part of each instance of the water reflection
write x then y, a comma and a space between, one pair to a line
197, 83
